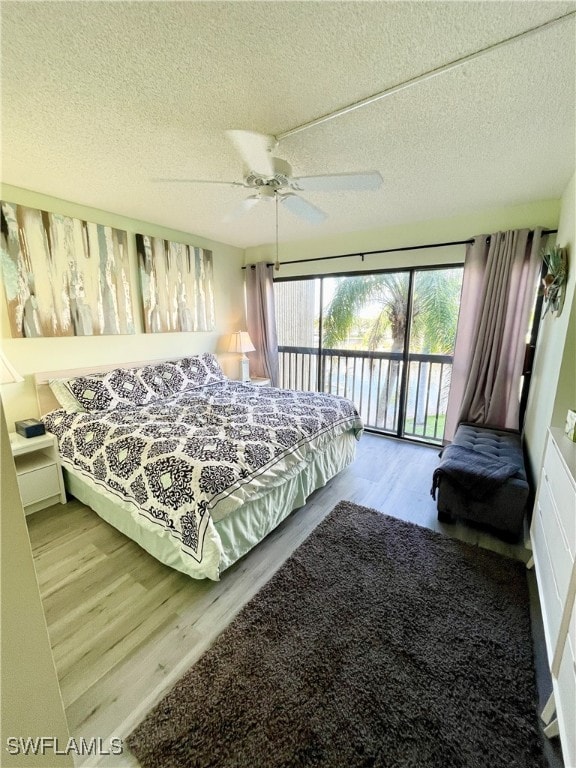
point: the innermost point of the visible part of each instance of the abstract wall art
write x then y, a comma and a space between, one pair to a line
176, 283
63, 276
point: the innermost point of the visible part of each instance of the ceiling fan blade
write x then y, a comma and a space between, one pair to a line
201, 181
255, 149
340, 182
302, 208
246, 205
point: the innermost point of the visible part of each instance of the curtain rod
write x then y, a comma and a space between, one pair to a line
387, 250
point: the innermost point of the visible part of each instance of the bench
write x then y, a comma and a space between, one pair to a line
481, 477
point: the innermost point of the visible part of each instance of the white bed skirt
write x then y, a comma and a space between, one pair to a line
242, 529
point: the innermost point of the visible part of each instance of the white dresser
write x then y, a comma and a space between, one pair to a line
553, 535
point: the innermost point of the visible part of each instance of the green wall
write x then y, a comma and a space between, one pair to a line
553, 386
43, 354
541, 213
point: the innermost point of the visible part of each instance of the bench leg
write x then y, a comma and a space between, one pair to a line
552, 730
549, 709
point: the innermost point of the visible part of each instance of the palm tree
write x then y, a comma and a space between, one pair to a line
436, 296
388, 291
434, 309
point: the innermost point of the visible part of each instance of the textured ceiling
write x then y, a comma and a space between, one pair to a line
100, 98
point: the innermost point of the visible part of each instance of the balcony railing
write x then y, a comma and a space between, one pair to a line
407, 402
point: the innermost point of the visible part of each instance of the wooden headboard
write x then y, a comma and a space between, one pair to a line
44, 395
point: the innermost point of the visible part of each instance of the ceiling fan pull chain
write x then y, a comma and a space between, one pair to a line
277, 265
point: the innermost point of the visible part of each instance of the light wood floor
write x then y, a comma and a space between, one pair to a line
124, 627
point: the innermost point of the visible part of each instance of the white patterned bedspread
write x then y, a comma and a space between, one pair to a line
189, 460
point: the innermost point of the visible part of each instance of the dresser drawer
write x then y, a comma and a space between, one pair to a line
560, 554
553, 535
565, 695
564, 492
550, 602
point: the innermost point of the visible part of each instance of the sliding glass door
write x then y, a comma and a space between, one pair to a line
384, 340
431, 333
363, 343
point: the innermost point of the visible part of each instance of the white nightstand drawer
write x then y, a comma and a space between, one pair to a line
38, 471
38, 483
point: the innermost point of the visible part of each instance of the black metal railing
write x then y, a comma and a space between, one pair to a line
391, 398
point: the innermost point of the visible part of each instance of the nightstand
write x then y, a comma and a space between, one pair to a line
38, 471
259, 382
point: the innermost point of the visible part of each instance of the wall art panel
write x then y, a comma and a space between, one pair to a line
63, 276
177, 285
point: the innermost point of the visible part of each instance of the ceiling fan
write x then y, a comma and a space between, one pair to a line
271, 179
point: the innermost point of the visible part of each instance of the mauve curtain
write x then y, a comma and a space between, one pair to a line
498, 291
261, 321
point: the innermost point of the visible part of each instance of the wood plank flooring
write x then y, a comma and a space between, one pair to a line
124, 627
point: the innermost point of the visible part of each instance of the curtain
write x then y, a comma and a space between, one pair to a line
498, 291
261, 321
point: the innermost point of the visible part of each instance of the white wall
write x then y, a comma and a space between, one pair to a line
553, 386
41, 354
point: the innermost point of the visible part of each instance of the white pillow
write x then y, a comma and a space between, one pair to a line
64, 396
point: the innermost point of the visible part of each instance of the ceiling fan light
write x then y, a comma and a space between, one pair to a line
266, 193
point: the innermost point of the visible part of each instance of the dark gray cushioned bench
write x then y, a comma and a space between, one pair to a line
483, 479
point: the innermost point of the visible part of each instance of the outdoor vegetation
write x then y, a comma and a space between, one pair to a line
435, 307
391, 356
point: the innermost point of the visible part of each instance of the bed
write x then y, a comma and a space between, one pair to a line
193, 466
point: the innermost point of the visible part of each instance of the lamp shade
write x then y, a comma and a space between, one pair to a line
241, 343
8, 374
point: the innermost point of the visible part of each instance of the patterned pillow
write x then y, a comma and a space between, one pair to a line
163, 379
119, 388
199, 370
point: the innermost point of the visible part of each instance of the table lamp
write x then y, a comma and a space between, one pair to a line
241, 343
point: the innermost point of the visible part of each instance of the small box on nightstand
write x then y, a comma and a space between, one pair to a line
30, 428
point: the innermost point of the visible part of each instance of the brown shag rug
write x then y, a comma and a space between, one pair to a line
378, 643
